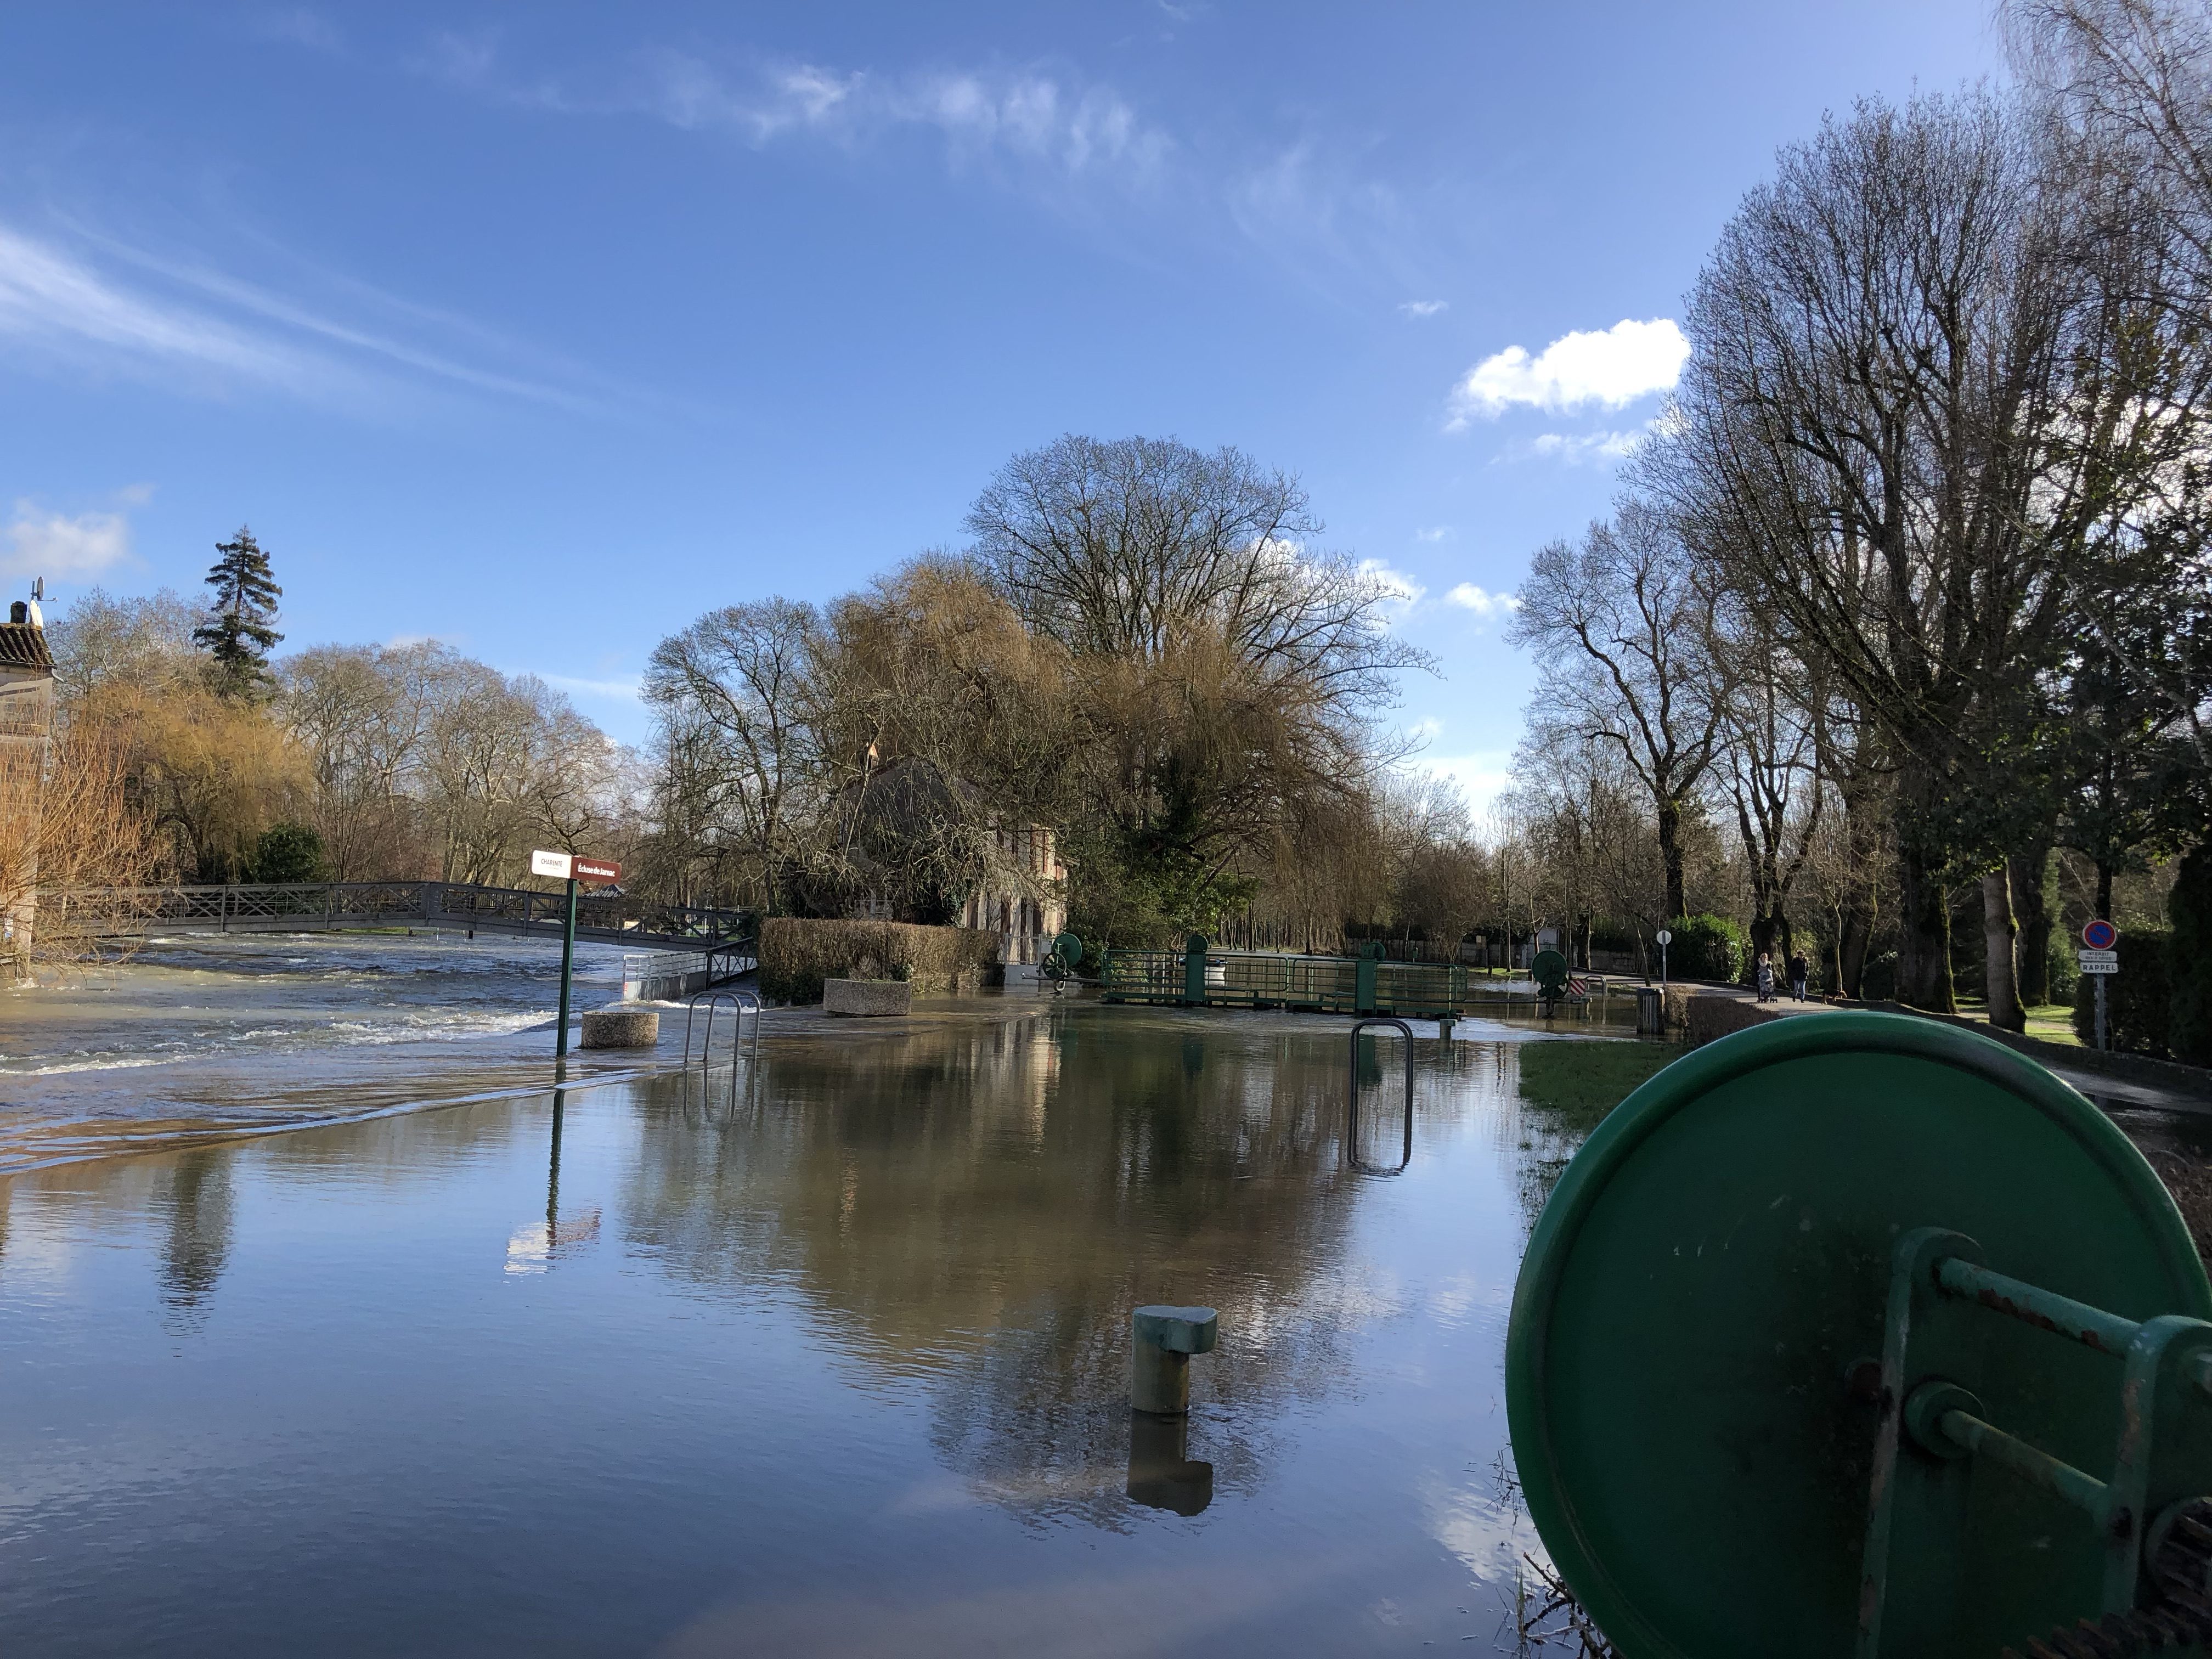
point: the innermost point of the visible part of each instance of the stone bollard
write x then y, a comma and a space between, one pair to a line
621, 1028
1161, 1342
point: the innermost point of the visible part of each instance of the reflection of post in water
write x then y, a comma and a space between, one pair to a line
198, 1201
553, 1172
532, 1248
1161, 1476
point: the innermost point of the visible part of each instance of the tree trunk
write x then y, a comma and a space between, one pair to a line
1923, 935
2026, 871
1999, 944
2104, 890
1853, 931
1670, 856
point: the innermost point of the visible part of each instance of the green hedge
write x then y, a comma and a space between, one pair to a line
798, 953
1706, 947
2138, 1000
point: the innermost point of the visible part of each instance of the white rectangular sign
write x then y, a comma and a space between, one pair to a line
556, 864
2100, 967
2098, 956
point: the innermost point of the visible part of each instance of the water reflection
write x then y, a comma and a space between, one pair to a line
616, 1370
194, 1201
1162, 1475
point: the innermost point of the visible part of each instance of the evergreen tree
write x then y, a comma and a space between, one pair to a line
237, 633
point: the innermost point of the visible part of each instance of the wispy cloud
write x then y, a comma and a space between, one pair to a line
298, 26
64, 548
1419, 308
1577, 449
625, 688
1434, 532
118, 308
1023, 116
1609, 369
1485, 604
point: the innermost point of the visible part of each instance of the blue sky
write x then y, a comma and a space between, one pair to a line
541, 329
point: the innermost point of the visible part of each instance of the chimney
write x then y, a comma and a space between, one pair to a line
19, 612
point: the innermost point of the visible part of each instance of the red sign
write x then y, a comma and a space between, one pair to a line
2100, 935
597, 869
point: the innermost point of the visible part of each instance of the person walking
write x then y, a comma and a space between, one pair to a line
1800, 972
1766, 977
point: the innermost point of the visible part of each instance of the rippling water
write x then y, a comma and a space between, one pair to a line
825, 1358
198, 1034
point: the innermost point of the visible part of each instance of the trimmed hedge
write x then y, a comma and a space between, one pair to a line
797, 953
1705, 947
2138, 1000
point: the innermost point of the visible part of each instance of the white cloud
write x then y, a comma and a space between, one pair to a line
1397, 589
1610, 367
626, 689
1483, 604
1434, 532
1482, 777
66, 549
1418, 308
1576, 449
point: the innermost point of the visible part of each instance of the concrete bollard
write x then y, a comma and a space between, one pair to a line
1161, 1342
621, 1028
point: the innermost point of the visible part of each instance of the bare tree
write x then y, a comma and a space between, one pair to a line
1618, 623
1892, 432
736, 686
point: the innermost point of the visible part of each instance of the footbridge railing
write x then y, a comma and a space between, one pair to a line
1203, 976
317, 906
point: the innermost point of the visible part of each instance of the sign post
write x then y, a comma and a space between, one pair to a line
1665, 939
2100, 956
571, 868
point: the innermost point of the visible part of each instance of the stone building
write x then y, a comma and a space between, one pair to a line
1023, 896
27, 719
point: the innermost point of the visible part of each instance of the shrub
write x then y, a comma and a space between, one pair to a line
1706, 947
2137, 999
2188, 960
287, 851
798, 953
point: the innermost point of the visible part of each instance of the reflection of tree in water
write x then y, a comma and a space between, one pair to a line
986, 1206
194, 1199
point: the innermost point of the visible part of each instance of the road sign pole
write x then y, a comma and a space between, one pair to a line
2101, 1011
567, 966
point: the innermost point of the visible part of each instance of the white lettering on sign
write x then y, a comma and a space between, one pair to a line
556, 864
597, 869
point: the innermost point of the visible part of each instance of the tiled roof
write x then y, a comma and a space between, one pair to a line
22, 646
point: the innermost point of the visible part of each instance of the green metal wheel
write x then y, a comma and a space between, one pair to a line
1694, 1377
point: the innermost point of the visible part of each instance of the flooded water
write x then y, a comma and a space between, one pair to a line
835, 1365
224, 1034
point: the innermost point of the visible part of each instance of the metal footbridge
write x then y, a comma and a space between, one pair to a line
332, 906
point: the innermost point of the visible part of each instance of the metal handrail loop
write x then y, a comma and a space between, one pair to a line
1351, 1118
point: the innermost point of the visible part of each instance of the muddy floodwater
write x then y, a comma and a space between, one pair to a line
823, 1356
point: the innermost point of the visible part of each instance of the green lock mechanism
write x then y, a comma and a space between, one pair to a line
1858, 1335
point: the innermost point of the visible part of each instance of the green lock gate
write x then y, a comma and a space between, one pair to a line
1858, 1334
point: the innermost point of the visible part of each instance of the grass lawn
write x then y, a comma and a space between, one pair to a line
2052, 1022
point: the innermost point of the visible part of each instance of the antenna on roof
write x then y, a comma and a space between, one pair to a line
39, 588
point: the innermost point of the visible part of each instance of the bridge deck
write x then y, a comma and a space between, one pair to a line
332, 905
